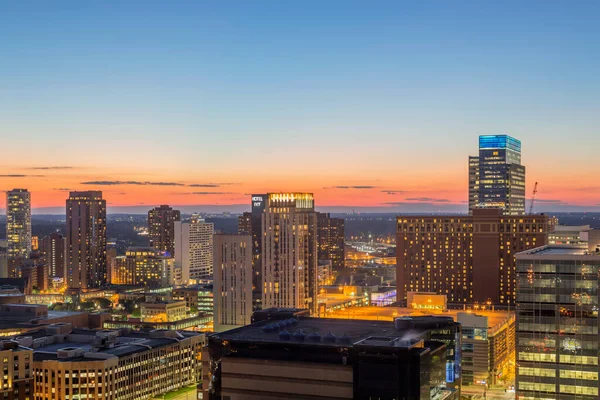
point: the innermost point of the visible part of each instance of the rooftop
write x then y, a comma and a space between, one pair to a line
560, 251
326, 331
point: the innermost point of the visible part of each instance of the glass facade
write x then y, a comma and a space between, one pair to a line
557, 327
496, 176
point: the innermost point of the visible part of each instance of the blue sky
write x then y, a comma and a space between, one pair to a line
266, 93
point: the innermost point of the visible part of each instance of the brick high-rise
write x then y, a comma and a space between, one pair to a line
86, 240
161, 231
330, 236
470, 258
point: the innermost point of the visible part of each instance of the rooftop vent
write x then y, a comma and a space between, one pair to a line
314, 337
284, 335
299, 336
329, 338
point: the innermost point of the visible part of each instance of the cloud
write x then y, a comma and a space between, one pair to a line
549, 201
20, 176
351, 187
205, 193
63, 189
53, 167
210, 185
140, 183
427, 200
393, 191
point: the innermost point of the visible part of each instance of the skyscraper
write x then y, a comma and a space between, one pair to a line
161, 228
557, 323
86, 240
289, 251
496, 176
54, 250
469, 258
232, 280
194, 249
18, 223
330, 234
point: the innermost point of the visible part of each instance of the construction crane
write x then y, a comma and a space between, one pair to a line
533, 199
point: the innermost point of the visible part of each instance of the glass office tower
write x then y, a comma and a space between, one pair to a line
557, 323
496, 176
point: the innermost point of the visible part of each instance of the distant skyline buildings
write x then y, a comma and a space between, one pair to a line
496, 176
18, 223
86, 240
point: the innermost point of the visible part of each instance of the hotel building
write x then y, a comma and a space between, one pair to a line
289, 251
469, 258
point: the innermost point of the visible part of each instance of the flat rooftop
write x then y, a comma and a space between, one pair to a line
560, 251
340, 332
495, 318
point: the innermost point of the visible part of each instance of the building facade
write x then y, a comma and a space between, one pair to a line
112, 364
163, 311
496, 176
289, 251
469, 258
557, 323
330, 236
251, 222
86, 240
194, 248
295, 357
161, 228
18, 223
54, 250
16, 378
232, 280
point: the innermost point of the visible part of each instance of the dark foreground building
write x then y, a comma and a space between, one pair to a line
284, 355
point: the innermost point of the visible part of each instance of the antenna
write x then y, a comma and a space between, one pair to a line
535, 190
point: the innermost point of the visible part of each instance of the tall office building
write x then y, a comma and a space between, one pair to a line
469, 258
557, 323
18, 223
161, 228
232, 280
496, 176
330, 236
86, 240
193, 249
54, 250
289, 251
250, 222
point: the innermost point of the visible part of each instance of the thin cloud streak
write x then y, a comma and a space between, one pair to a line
138, 183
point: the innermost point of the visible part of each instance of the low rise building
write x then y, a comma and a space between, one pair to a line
16, 380
111, 364
163, 311
287, 357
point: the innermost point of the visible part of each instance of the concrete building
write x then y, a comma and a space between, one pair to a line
251, 222
232, 280
194, 249
54, 251
289, 251
17, 378
569, 234
163, 311
86, 240
18, 223
469, 258
331, 239
496, 176
161, 228
295, 357
143, 266
557, 322
111, 364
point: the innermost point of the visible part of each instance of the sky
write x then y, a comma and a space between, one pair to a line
369, 105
